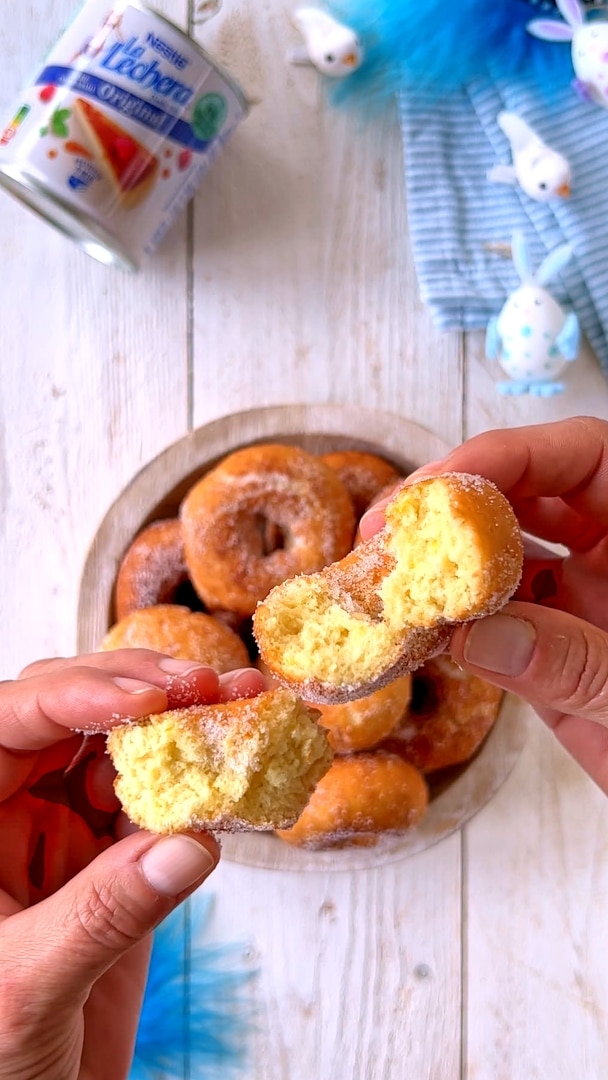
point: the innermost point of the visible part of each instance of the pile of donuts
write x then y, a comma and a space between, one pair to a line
188, 586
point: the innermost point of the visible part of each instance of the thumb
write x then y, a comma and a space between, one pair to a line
554, 660
62, 945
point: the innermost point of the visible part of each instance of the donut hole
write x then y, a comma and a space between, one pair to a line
273, 537
185, 595
425, 696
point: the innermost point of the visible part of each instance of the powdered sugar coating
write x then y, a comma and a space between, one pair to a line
152, 569
181, 633
450, 714
416, 647
199, 766
361, 795
225, 519
364, 475
484, 525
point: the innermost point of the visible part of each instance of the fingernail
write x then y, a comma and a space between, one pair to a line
179, 667
241, 683
175, 863
236, 673
134, 686
502, 644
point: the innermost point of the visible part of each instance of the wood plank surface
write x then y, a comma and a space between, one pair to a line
95, 378
536, 863
358, 973
303, 283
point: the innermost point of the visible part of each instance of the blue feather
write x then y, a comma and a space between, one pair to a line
195, 1017
435, 47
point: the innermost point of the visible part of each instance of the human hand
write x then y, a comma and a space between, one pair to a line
77, 901
549, 645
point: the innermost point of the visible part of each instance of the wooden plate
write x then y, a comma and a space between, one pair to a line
157, 492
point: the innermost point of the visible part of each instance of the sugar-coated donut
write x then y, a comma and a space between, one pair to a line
361, 796
153, 568
451, 550
361, 724
364, 475
179, 632
449, 716
358, 725
275, 491
248, 764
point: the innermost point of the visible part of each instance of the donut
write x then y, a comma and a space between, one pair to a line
358, 725
451, 550
275, 491
247, 764
363, 476
153, 568
179, 632
449, 716
359, 798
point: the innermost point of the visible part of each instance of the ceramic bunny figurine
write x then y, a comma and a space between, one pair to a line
542, 173
589, 47
533, 338
332, 48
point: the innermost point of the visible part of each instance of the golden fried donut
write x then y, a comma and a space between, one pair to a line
263, 491
449, 716
179, 632
248, 764
364, 476
451, 550
152, 569
360, 797
357, 725
360, 724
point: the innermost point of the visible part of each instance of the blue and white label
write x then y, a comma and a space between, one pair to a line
122, 122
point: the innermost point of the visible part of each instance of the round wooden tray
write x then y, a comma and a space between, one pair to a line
157, 492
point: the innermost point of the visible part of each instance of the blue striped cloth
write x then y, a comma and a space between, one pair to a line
454, 211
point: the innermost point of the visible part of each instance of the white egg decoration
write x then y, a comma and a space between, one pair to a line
533, 339
589, 39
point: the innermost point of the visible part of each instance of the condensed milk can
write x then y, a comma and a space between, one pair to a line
117, 128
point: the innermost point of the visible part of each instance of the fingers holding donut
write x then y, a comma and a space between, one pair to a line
53, 698
554, 660
565, 461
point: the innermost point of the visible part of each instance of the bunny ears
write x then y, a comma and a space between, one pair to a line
551, 30
549, 267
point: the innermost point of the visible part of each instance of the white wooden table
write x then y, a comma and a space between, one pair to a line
290, 280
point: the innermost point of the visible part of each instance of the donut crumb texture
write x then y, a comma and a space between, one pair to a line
247, 764
451, 551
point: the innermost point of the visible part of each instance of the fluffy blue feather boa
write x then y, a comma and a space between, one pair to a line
195, 1017
435, 47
